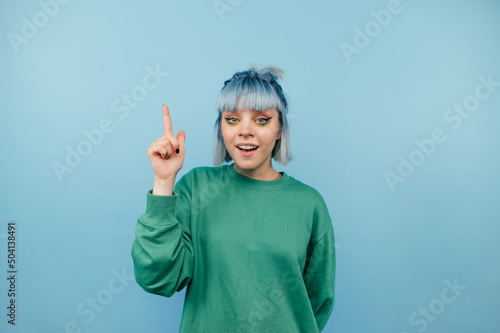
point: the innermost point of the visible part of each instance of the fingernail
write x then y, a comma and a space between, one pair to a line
168, 157
177, 150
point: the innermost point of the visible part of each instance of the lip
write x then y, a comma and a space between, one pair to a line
246, 144
246, 153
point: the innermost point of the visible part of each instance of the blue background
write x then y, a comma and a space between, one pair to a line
354, 116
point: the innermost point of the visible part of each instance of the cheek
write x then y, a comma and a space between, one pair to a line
227, 133
270, 135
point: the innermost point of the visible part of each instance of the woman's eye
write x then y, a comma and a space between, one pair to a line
263, 121
231, 120
260, 121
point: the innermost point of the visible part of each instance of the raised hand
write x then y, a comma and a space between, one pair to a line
167, 152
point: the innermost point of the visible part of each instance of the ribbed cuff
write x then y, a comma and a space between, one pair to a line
160, 209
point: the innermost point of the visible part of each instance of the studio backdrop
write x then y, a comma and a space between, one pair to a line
394, 112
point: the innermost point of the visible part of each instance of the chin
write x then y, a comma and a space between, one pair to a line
251, 163
245, 164
248, 165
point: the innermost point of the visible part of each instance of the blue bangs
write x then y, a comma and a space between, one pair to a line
249, 92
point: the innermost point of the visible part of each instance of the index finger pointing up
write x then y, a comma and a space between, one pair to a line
167, 122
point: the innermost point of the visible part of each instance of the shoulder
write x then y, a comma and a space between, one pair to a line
207, 173
199, 175
305, 190
311, 197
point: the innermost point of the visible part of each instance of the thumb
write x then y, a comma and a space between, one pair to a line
181, 137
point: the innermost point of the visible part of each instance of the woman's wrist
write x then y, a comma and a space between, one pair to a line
163, 186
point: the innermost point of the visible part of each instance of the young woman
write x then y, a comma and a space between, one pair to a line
254, 246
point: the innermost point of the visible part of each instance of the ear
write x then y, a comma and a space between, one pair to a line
278, 136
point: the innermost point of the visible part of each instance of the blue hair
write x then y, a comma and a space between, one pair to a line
259, 90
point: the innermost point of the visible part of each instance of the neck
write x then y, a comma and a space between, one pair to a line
261, 174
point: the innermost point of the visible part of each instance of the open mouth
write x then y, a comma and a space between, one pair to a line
247, 148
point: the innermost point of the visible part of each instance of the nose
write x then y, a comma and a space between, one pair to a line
246, 128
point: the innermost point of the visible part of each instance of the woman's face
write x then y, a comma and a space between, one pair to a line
255, 129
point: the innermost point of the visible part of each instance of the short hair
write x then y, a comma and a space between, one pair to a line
259, 90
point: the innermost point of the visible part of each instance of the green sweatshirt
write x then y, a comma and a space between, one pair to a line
255, 255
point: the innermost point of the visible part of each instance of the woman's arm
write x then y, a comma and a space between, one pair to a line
163, 251
319, 271
319, 277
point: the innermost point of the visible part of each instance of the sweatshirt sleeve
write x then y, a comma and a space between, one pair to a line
162, 250
319, 276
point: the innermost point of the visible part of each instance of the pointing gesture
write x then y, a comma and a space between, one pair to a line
167, 152
167, 122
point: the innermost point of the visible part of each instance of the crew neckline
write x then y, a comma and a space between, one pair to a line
253, 183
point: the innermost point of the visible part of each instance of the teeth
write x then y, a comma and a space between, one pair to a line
247, 147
